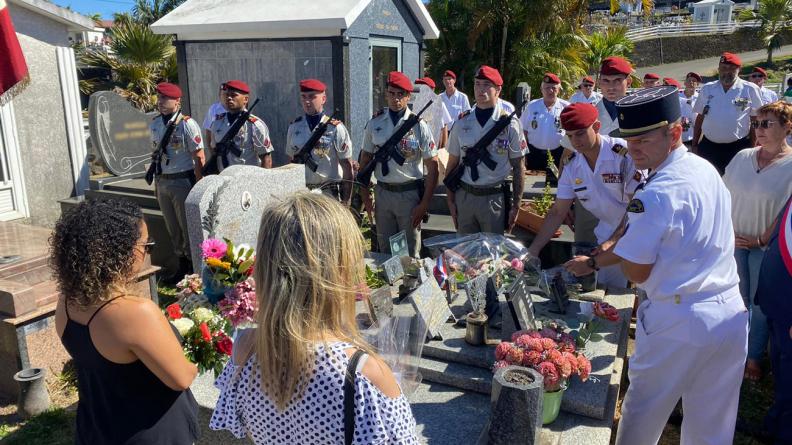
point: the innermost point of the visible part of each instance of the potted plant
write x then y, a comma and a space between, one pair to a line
552, 353
476, 321
532, 212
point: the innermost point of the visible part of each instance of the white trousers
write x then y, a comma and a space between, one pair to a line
694, 350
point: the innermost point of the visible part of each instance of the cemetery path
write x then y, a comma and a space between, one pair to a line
709, 65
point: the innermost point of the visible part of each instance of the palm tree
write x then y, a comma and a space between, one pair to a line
138, 60
149, 12
599, 45
774, 18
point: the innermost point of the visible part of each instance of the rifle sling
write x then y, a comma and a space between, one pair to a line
482, 144
163, 144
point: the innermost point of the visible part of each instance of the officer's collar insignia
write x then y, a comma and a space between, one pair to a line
578, 181
619, 149
569, 159
637, 176
635, 206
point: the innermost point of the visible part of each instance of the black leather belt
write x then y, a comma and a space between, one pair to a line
403, 187
482, 191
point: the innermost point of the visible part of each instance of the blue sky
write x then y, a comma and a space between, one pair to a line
104, 7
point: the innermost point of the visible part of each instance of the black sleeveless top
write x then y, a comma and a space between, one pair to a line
125, 404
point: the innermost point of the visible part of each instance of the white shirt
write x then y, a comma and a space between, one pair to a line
688, 115
214, 110
334, 144
607, 189
252, 139
728, 117
757, 197
457, 104
436, 116
543, 124
415, 146
509, 144
506, 106
580, 97
680, 221
610, 127
768, 96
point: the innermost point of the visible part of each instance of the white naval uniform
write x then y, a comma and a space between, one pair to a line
728, 117
608, 125
768, 96
252, 139
580, 97
334, 144
692, 331
686, 107
457, 104
604, 192
543, 125
214, 110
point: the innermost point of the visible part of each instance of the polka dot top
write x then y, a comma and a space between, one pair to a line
318, 417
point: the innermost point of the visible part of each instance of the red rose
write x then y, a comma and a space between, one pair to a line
205, 333
224, 345
174, 311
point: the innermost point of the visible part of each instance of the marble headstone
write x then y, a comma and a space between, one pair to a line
229, 205
120, 133
431, 306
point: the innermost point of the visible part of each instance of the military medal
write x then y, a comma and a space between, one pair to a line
534, 124
578, 181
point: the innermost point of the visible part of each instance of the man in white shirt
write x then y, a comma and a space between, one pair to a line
759, 77
542, 127
455, 101
586, 92
725, 108
687, 97
215, 110
691, 338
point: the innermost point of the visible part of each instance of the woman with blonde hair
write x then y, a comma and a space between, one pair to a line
286, 381
760, 181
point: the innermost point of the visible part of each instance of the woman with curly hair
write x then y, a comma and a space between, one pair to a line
132, 376
286, 381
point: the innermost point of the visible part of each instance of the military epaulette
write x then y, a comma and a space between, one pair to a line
570, 158
335, 122
185, 117
619, 149
296, 119
463, 114
378, 113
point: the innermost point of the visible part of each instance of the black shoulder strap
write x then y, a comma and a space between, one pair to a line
100, 308
349, 397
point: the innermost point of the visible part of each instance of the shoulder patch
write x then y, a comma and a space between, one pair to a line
185, 117
296, 119
378, 113
335, 122
619, 149
637, 176
463, 114
253, 119
635, 206
570, 158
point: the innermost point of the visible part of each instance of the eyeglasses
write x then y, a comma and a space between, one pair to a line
148, 246
764, 124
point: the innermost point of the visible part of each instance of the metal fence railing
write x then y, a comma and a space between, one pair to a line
676, 30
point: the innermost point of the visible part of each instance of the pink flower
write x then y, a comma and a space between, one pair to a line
606, 311
565, 369
531, 358
571, 359
517, 265
548, 344
550, 374
213, 248
501, 350
554, 356
499, 364
514, 356
240, 303
530, 333
583, 367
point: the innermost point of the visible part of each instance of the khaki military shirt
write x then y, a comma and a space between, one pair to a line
184, 141
509, 144
415, 146
252, 139
334, 144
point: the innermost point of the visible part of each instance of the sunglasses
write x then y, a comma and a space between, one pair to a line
764, 124
148, 246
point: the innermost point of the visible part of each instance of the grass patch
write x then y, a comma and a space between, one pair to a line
54, 427
775, 71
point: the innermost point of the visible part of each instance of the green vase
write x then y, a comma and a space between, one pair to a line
551, 405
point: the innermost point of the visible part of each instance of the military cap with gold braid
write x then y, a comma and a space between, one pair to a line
648, 109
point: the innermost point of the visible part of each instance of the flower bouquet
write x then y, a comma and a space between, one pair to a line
239, 305
189, 293
591, 315
206, 342
225, 266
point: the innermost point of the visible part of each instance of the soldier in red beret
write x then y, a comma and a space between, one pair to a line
613, 82
455, 101
542, 127
759, 76
253, 138
604, 190
403, 192
651, 80
180, 165
725, 109
486, 203
331, 153
586, 92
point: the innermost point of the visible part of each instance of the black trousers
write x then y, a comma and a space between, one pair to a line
536, 159
720, 155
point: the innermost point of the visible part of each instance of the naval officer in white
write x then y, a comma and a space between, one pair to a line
692, 333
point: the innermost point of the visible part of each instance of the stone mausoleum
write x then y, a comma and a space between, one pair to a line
350, 45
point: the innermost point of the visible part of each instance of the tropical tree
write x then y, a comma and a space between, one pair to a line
775, 19
149, 11
138, 59
611, 42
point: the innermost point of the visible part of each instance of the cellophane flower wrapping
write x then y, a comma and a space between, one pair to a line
399, 340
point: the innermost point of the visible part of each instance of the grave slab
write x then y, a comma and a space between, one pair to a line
120, 132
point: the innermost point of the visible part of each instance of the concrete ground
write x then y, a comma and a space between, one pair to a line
707, 66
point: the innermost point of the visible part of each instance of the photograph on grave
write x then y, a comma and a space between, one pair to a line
398, 244
120, 133
393, 269
430, 305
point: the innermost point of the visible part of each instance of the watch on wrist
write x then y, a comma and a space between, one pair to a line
592, 263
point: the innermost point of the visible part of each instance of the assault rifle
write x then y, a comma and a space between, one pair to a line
155, 169
227, 144
304, 155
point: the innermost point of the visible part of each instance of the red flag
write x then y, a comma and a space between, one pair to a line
13, 69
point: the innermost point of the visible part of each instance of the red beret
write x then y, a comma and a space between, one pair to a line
672, 82
588, 79
578, 115
652, 76
399, 80
615, 65
551, 78
489, 73
694, 75
730, 58
760, 71
312, 85
426, 81
170, 90
237, 85
449, 73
